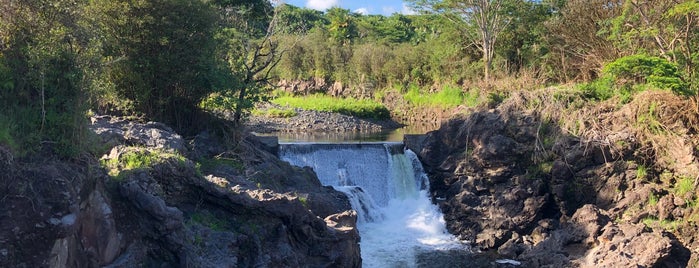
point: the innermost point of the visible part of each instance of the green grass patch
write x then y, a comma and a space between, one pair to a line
209, 164
275, 113
139, 158
652, 199
684, 185
448, 97
349, 106
668, 225
641, 172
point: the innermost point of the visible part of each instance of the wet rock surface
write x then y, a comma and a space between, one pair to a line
505, 186
195, 204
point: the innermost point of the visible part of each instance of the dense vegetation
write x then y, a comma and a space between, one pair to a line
160, 59
543, 42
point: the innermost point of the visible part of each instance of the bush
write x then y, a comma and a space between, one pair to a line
631, 71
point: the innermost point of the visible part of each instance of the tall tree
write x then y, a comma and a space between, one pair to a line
42, 80
252, 50
484, 21
159, 55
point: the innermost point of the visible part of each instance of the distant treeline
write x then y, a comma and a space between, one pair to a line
555, 41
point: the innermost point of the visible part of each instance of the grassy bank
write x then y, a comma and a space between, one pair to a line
349, 106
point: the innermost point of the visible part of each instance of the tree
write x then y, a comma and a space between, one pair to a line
252, 51
576, 41
43, 58
342, 25
484, 21
666, 28
159, 55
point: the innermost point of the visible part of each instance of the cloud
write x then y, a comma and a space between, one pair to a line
363, 11
406, 10
322, 5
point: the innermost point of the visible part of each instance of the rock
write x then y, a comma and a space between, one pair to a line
99, 233
628, 245
586, 224
118, 131
308, 122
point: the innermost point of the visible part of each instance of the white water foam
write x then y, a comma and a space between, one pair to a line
403, 221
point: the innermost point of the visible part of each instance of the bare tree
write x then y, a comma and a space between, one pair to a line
484, 20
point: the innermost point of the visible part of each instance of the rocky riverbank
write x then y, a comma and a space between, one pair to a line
548, 183
304, 121
156, 199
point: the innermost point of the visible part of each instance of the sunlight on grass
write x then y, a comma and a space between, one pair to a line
348, 106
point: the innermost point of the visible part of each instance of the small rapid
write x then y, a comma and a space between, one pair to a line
388, 188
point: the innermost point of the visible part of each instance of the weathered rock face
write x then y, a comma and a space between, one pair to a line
478, 164
506, 184
248, 210
53, 214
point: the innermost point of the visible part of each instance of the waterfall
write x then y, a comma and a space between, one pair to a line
389, 189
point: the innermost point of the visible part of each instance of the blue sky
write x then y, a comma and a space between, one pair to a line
383, 7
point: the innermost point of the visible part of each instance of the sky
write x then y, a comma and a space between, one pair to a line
366, 7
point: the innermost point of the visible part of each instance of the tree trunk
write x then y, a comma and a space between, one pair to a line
239, 106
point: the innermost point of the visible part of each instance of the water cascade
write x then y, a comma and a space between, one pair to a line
388, 188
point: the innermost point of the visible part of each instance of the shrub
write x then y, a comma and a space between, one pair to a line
630, 71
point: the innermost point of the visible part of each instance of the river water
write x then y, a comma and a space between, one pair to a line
398, 224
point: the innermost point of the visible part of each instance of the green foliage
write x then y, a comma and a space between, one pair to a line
652, 199
669, 225
361, 108
642, 172
295, 20
209, 164
631, 71
650, 120
448, 97
159, 54
684, 185
43, 58
138, 158
600, 89
342, 27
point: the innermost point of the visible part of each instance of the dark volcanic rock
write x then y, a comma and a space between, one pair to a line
246, 209
507, 180
478, 165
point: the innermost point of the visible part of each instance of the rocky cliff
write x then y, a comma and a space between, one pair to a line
553, 182
156, 199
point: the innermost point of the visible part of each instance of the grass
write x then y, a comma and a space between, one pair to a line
275, 113
209, 164
667, 225
349, 106
641, 172
652, 199
684, 185
448, 97
138, 159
